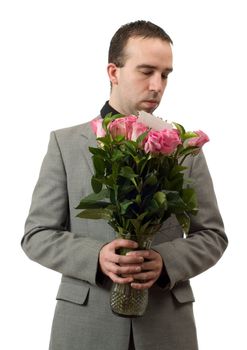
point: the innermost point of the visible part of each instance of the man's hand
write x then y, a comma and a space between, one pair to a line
151, 269
120, 268
141, 268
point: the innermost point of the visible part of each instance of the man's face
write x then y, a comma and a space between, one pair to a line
140, 83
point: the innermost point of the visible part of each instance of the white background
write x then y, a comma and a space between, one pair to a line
53, 74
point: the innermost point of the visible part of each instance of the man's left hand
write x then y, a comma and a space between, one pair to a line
151, 269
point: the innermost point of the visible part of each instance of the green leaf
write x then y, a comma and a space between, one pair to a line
153, 206
95, 214
107, 181
188, 150
136, 223
128, 172
97, 151
130, 145
93, 205
142, 216
96, 184
160, 199
151, 180
176, 183
99, 165
106, 140
144, 227
93, 198
124, 206
175, 202
125, 190
119, 138
189, 197
142, 137
184, 221
138, 199
117, 155
109, 118
180, 128
189, 135
177, 169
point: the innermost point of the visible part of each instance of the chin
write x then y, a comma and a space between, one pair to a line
149, 110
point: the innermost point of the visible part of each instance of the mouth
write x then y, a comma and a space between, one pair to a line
151, 103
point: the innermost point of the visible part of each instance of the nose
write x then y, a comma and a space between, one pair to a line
156, 83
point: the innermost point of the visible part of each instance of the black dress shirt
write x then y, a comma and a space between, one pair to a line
106, 109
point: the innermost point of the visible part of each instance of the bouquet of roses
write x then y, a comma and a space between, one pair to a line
139, 179
138, 183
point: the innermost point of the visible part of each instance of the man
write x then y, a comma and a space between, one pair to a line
84, 251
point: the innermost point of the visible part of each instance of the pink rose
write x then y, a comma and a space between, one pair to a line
153, 142
96, 125
137, 130
165, 141
170, 141
199, 140
122, 126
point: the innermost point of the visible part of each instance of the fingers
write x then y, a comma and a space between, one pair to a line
144, 285
123, 243
140, 268
151, 270
121, 280
114, 265
145, 279
123, 269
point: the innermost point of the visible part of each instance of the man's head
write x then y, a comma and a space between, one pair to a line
140, 59
141, 29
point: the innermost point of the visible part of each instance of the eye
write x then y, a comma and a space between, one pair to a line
147, 72
164, 76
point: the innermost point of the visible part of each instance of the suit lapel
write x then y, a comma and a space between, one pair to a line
88, 140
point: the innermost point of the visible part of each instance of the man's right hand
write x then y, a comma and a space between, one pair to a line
119, 268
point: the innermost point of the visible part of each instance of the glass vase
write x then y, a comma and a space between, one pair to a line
126, 301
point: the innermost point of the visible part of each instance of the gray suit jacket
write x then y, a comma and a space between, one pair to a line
55, 238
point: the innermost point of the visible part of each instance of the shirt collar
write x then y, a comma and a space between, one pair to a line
107, 109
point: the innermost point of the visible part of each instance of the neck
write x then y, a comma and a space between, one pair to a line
118, 106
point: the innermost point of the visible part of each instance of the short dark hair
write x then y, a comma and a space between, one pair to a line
119, 40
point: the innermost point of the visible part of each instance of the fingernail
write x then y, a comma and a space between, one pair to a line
131, 253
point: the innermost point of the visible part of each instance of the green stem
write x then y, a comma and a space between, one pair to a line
183, 159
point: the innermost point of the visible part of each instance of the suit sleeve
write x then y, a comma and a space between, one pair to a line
185, 258
47, 240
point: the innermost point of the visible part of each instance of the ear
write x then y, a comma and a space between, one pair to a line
112, 71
